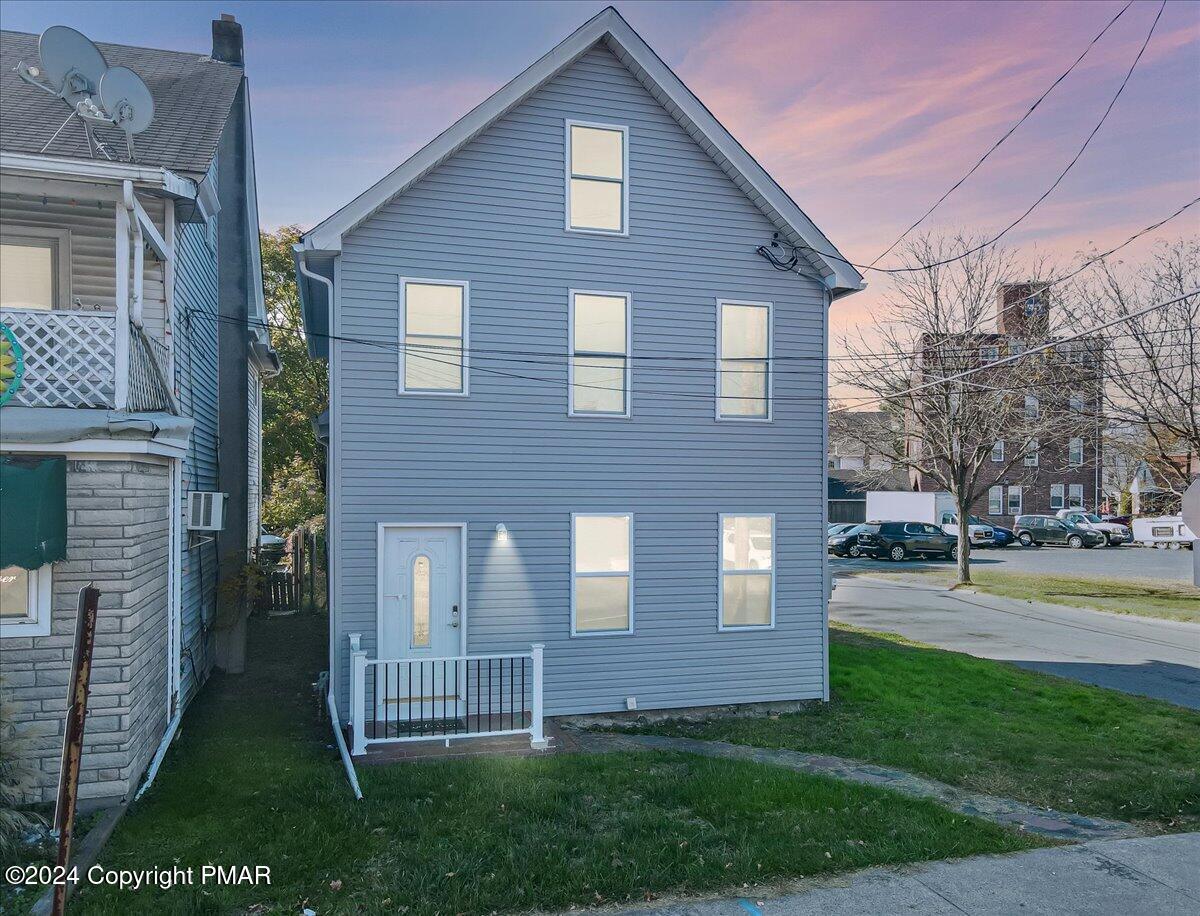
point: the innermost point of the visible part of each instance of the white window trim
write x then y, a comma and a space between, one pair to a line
999, 502
402, 291
628, 377
586, 634
1072, 489
624, 129
1061, 496
770, 307
1032, 401
1075, 402
40, 593
1071, 452
1020, 501
14, 232
1032, 457
1000, 459
722, 572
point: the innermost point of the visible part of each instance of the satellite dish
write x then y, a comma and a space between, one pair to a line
70, 63
126, 99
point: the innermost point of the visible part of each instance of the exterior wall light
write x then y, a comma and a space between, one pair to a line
502, 533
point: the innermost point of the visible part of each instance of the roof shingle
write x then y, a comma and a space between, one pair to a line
192, 96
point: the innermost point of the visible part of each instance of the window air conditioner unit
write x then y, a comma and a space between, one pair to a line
206, 511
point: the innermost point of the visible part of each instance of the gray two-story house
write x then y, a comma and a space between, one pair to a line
577, 428
131, 302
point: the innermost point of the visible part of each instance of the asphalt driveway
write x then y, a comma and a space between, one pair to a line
1154, 658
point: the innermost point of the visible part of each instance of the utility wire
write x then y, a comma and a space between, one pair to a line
995, 146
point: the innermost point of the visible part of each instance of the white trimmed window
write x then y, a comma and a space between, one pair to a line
35, 268
1031, 456
25, 601
1075, 496
434, 318
601, 574
1075, 402
744, 360
747, 572
1014, 500
1057, 496
1031, 407
1075, 452
989, 354
597, 178
998, 451
996, 500
598, 370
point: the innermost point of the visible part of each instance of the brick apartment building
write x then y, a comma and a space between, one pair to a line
1065, 470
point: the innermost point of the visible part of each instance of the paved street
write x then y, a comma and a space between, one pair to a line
1114, 562
1155, 658
1159, 875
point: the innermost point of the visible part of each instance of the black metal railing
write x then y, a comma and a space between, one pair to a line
427, 698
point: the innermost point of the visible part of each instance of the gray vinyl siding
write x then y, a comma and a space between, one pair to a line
196, 378
493, 215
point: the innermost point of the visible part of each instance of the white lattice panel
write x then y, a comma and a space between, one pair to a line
70, 357
146, 381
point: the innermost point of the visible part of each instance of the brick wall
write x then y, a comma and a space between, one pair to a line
118, 536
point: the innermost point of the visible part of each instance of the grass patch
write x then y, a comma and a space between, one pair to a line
991, 727
252, 781
1141, 597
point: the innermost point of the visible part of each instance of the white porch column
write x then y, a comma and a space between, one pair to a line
537, 737
121, 369
358, 696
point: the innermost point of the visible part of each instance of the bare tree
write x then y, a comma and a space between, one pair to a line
933, 329
1153, 370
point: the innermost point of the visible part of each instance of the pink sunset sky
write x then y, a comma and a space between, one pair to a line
864, 112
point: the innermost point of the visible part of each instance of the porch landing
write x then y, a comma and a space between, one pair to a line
437, 749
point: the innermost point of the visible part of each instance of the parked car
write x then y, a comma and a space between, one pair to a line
845, 542
1001, 536
1126, 520
1040, 530
840, 528
271, 547
981, 533
898, 540
928, 506
1114, 533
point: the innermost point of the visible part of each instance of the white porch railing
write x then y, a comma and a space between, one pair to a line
73, 359
70, 357
443, 699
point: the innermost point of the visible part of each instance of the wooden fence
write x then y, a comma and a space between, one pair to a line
294, 579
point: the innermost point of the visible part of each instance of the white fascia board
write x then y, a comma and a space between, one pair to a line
79, 449
95, 170
663, 84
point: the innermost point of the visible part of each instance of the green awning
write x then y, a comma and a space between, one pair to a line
33, 511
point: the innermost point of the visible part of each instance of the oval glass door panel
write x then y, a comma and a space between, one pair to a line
420, 603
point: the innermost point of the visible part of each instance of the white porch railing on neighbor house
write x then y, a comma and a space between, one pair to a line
464, 696
72, 359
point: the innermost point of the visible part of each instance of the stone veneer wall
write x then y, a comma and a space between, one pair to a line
118, 536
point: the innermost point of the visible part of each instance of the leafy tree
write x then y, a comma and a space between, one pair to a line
292, 459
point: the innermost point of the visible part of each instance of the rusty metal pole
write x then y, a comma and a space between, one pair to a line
68, 776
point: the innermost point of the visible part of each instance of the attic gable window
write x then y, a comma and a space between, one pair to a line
597, 159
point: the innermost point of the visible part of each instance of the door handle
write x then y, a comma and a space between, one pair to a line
454, 616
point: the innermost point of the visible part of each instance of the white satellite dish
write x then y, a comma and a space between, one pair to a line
73, 69
126, 99
71, 64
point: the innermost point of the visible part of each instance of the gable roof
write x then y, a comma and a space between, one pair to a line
192, 98
671, 93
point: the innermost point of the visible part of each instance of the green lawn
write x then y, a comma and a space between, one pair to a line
1143, 597
254, 781
991, 727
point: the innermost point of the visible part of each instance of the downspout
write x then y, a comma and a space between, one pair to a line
826, 577
330, 702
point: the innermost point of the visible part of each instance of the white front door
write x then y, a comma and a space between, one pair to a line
420, 621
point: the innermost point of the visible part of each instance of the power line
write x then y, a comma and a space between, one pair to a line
995, 146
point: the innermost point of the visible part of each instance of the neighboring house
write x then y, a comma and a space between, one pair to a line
133, 396
554, 418
852, 441
1063, 470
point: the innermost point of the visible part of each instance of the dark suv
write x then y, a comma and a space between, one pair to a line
897, 540
1046, 529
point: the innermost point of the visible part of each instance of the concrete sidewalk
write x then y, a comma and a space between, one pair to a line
1150, 875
